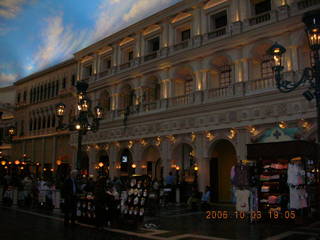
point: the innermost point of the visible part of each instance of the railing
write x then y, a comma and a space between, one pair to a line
263, 83
182, 100
220, 92
150, 56
217, 33
307, 3
149, 106
260, 19
181, 45
124, 66
104, 73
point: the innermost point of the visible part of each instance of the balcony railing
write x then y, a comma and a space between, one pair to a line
182, 100
151, 56
181, 45
307, 3
124, 66
260, 84
217, 33
264, 17
220, 92
149, 106
104, 73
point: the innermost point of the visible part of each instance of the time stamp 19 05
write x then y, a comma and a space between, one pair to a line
255, 215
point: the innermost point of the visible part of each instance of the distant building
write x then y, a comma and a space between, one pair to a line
7, 115
36, 98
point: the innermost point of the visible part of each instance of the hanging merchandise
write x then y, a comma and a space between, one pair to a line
242, 197
287, 175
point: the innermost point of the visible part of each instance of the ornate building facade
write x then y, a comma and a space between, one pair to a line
36, 98
7, 118
184, 90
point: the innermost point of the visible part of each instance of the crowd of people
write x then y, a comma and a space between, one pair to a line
106, 192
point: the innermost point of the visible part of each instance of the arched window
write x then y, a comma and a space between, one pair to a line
48, 122
30, 124
53, 121
53, 89
39, 123
49, 90
225, 76
44, 122
188, 86
266, 67
35, 124
45, 91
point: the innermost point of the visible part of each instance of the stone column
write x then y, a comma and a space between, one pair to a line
243, 138
79, 70
113, 156
204, 22
238, 74
94, 64
98, 63
293, 54
165, 34
203, 173
197, 21
139, 44
245, 70
115, 55
205, 77
171, 35
198, 81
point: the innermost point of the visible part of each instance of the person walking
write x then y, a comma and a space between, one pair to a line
100, 199
69, 193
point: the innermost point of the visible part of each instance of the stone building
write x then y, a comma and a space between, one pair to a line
36, 98
188, 87
7, 115
184, 90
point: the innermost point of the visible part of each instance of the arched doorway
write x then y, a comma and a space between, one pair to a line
222, 158
184, 159
103, 159
84, 164
151, 158
126, 163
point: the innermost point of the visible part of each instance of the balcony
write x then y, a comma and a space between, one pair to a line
261, 84
150, 56
105, 73
307, 3
181, 45
182, 100
217, 33
264, 17
124, 66
215, 93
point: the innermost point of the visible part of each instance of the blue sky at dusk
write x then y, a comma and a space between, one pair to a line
35, 34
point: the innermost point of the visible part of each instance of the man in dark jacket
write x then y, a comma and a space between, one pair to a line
69, 192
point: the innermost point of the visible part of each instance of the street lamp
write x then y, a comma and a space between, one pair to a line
311, 75
84, 113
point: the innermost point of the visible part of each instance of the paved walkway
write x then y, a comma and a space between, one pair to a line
173, 224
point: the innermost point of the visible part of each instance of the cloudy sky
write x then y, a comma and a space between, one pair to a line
35, 34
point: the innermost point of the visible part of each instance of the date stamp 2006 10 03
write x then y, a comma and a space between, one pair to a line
256, 215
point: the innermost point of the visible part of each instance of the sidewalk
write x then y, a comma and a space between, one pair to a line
178, 223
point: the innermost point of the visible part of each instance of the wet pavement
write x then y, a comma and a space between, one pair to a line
16, 224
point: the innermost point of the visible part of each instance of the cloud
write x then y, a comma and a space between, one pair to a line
59, 42
10, 8
143, 7
8, 79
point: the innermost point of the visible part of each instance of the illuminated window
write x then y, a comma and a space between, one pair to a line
225, 76
266, 67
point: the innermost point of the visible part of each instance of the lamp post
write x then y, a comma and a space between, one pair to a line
84, 113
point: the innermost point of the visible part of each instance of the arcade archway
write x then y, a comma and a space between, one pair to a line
152, 161
222, 157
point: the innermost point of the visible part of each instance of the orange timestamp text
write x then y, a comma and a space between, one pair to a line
256, 215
